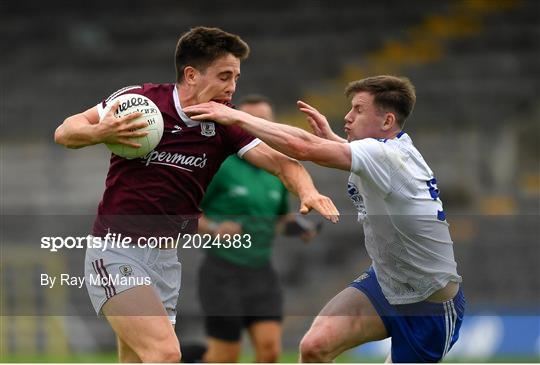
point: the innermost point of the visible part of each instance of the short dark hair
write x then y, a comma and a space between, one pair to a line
390, 93
201, 46
254, 99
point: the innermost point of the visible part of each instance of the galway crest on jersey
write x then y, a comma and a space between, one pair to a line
208, 129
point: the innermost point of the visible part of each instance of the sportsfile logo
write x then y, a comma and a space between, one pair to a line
176, 160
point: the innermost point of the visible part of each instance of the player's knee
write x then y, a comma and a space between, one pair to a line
221, 354
268, 356
268, 351
165, 352
213, 357
164, 355
314, 348
173, 356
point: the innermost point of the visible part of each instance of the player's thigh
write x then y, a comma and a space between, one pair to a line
266, 339
140, 321
220, 351
349, 319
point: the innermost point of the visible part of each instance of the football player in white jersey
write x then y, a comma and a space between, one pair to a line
411, 292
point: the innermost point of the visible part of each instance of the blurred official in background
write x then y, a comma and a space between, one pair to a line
239, 288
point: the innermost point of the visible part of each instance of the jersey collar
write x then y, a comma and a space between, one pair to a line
188, 121
404, 137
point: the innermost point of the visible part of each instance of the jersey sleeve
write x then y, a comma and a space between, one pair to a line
240, 141
133, 89
370, 162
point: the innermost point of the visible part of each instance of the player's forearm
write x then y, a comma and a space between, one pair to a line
296, 178
77, 132
289, 140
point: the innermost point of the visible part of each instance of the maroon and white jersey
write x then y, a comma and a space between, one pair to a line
160, 193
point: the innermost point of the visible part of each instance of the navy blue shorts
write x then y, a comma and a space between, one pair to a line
420, 332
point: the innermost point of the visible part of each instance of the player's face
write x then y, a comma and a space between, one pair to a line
218, 81
259, 110
364, 120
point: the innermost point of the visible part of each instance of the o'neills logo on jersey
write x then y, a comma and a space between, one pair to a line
134, 101
357, 200
176, 160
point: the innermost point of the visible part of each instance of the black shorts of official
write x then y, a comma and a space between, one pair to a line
234, 297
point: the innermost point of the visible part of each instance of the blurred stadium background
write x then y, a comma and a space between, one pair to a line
476, 67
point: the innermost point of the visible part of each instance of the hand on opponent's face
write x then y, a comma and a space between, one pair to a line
318, 122
213, 111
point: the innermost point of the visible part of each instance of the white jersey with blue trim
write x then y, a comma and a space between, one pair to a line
406, 232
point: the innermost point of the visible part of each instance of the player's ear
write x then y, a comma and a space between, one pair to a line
389, 121
190, 75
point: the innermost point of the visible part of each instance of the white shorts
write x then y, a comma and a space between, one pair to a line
110, 272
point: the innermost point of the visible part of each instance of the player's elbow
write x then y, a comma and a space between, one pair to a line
61, 138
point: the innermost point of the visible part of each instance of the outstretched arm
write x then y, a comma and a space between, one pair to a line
293, 142
85, 129
295, 178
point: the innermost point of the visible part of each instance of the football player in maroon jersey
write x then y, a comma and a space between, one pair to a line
159, 194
